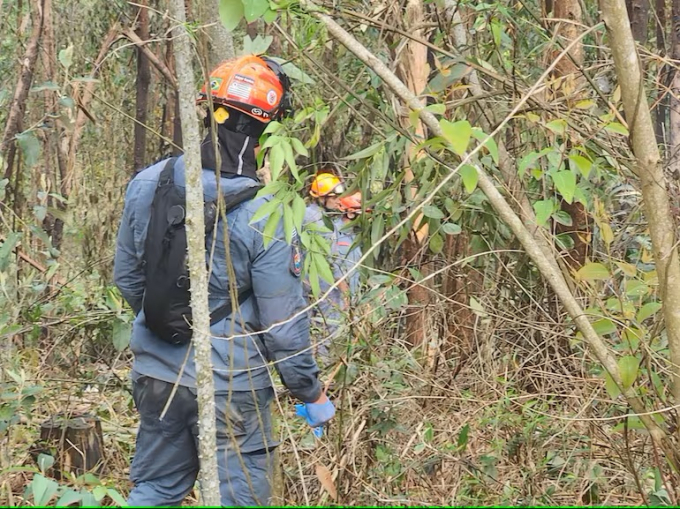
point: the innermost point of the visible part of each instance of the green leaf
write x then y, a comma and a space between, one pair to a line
565, 183
365, 153
69, 497
293, 71
253, 9
45, 462
7, 247
628, 366
324, 269
436, 243
288, 225
269, 16
117, 497
43, 489
432, 212
490, 144
30, 147
290, 159
88, 499
463, 437
40, 212
66, 57
231, 12
558, 126
99, 492
121, 335
457, 134
604, 326
451, 228
615, 127
583, 164
299, 208
563, 217
612, 389
276, 159
649, 309
593, 271
299, 147
636, 288
256, 46
313, 274
47, 85
271, 226
543, 209
437, 109
470, 177
264, 210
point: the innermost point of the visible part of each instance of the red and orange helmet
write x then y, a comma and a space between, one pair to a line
256, 86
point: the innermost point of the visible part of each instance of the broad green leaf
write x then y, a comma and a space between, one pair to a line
615, 127
612, 389
312, 274
649, 309
543, 209
436, 243
451, 228
43, 489
290, 159
627, 268
256, 46
231, 13
437, 109
40, 212
269, 16
299, 147
324, 269
563, 217
585, 105
47, 85
604, 326
30, 147
447, 77
273, 187
45, 462
88, 499
99, 492
463, 437
265, 210
66, 57
527, 162
69, 497
593, 271
490, 143
432, 212
270, 227
288, 224
253, 9
276, 158
628, 367
581, 163
117, 497
121, 335
7, 247
457, 134
636, 288
365, 153
558, 126
469, 175
565, 183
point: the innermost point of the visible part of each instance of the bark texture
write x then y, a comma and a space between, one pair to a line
202, 339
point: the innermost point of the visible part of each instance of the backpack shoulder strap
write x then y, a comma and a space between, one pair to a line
167, 176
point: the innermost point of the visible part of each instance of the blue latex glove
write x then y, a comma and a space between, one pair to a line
316, 414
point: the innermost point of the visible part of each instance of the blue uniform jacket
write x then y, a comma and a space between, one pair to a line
239, 364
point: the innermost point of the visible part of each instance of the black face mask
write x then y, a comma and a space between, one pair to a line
237, 153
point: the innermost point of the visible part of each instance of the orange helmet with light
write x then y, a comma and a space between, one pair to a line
256, 86
351, 204
326, 184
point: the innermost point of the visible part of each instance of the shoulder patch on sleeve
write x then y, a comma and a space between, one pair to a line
295, 255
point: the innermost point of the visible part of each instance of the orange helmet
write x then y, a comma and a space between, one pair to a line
326, 184
256, 86
351, 204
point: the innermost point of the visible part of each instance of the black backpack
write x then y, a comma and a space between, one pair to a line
167, 300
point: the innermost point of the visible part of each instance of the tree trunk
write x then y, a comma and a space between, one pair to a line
662, 108
220, 42
413, 69
662, 227
143, 81
673, 167
202, 339
18, 105
638, 11
546, 265
77, 441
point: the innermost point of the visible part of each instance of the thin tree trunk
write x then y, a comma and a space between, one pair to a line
674, 100
220, 42
18, 106
143, 81
202, 339
546, 265
662, 108
648, 166
638, 11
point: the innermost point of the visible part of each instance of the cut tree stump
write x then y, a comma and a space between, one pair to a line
77, 442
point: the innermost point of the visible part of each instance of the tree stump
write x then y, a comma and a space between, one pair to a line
77, 442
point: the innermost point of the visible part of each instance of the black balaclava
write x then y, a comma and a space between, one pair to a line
237, 139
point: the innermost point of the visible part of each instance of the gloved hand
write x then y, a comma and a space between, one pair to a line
316, 414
